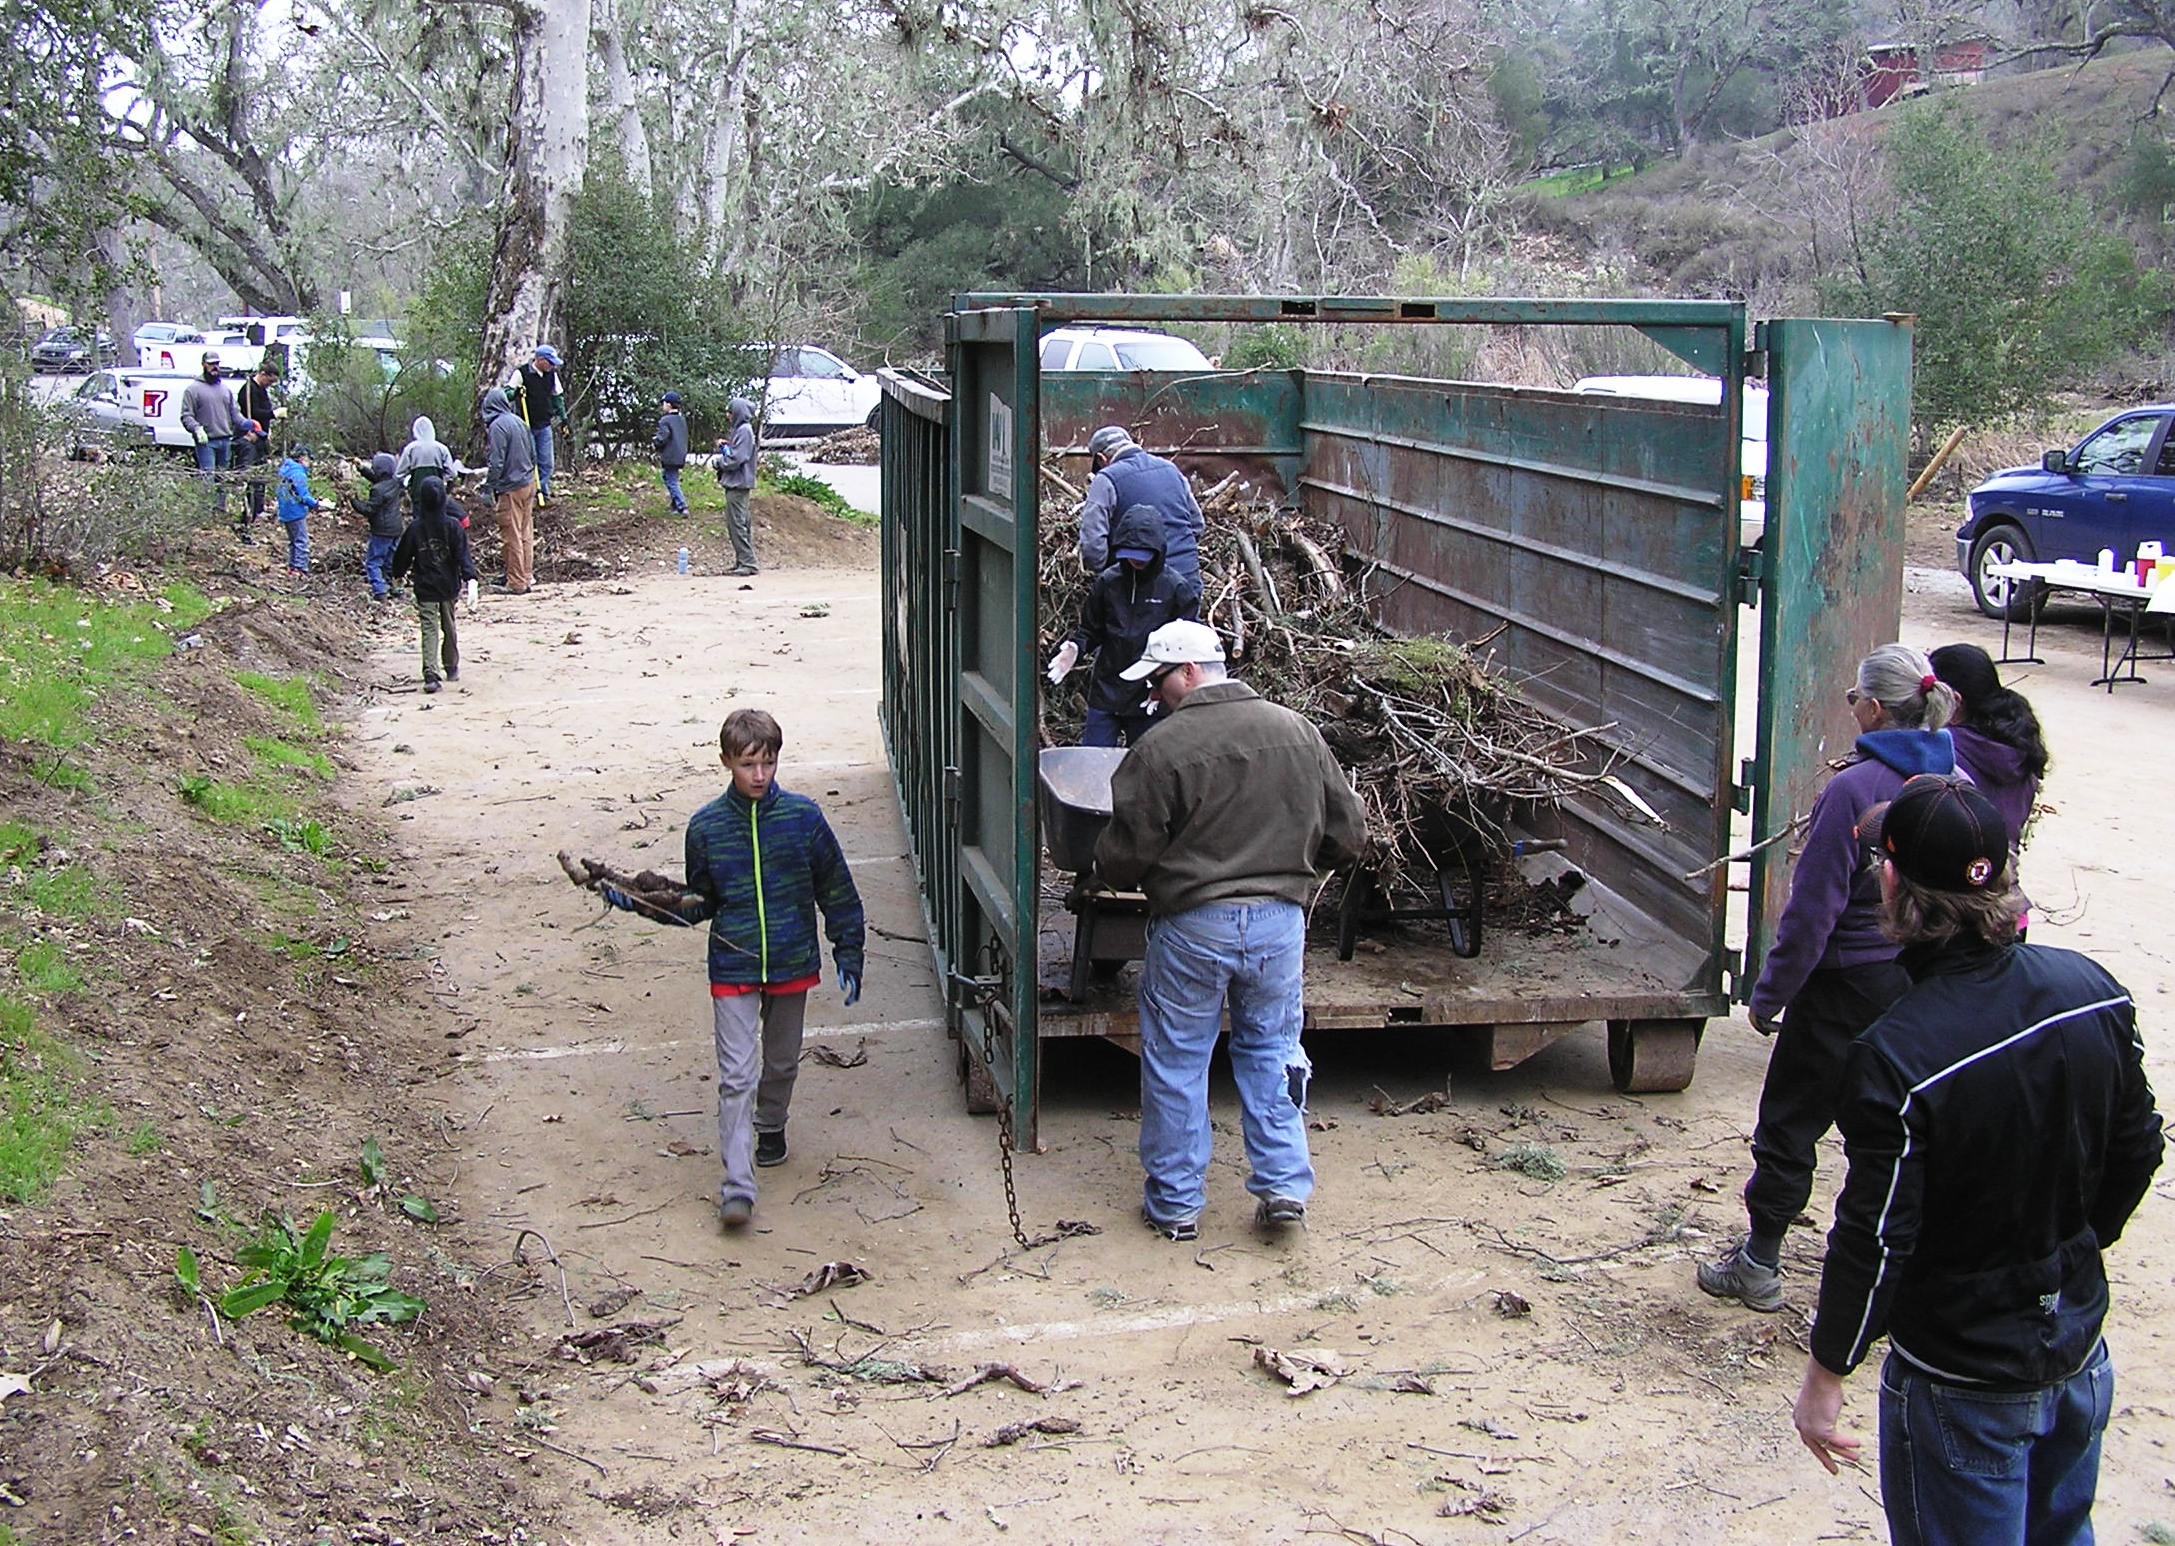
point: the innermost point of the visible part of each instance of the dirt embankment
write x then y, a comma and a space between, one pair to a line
209, 1016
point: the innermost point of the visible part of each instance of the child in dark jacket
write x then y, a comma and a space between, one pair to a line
436, 548
1133, 597
383, 511
762, 861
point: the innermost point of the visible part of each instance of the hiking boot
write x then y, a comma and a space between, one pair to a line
770, 1148
734, 1212
1279, 1212
742, 572
432, 684
1174, 1229
1737, 1276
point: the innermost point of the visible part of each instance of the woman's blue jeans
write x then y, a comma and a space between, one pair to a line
1964, 1467
1249, 957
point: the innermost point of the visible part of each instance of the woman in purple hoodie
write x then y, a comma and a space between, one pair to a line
1832, 971
1997, 735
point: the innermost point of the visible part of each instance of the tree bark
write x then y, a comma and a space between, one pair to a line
548, 151
622, 109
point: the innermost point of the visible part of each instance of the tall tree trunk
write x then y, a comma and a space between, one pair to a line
622, 111
124, 306
548, 150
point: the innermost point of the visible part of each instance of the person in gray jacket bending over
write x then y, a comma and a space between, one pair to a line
734, 465
1126, 476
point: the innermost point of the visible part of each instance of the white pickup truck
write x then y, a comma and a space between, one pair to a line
124, 410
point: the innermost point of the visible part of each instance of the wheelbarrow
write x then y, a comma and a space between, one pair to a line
1454, 846
1072, 790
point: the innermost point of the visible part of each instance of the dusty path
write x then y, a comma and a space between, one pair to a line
1622, 1407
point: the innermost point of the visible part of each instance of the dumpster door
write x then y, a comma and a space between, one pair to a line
1831, 585
996, 432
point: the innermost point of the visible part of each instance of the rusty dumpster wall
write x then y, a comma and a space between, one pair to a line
1593, 541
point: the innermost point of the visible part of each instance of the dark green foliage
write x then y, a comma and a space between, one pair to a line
646, 316
2017, 284
328, 1295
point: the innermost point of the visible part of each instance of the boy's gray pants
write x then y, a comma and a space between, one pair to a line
758, 1054
741, 526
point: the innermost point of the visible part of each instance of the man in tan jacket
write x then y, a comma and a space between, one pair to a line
1224, 815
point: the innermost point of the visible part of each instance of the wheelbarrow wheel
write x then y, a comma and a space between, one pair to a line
982, 1097
1653, 1056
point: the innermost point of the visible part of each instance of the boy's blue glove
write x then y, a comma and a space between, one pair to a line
849, 983
614, 897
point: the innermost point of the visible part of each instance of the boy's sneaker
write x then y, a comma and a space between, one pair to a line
1279, 1212
1737, 1276
432, 684
770, 1148
1172, 1229
740, 573
734, 1212
454, 674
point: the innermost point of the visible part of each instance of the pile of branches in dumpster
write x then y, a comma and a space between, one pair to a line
1423, 725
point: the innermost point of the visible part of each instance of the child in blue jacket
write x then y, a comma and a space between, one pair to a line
295, 504
762, 861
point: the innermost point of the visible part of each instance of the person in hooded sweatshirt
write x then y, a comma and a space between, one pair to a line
295, 504
1136, 594
425, 456
436, 548
734, 465
383, 511
1997, 735
670, 444
1833, 969
510, 479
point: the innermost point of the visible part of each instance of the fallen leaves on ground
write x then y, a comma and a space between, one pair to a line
1302, 1371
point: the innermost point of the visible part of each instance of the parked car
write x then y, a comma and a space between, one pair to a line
123, 410
72, 349
155, 343
813, 392
1118, 348
2114, 490
240, 342
1707, 390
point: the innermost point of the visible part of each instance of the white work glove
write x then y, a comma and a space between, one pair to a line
471, 595
1061, 664
201, 438
279, 413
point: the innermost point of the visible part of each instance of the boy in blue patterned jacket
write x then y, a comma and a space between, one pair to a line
763, 861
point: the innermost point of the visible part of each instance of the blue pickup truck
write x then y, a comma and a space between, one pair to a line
2115, 490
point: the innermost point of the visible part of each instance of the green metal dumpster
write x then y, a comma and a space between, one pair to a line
1593, 540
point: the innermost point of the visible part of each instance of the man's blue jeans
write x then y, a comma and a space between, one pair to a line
1104, 728
376, 557
1249, 955
542, 437
214, 456
672, 487
1964, 1467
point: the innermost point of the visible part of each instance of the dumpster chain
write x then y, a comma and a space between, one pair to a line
987, 997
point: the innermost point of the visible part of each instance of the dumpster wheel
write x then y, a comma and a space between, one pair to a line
982, 1097
1653, 1056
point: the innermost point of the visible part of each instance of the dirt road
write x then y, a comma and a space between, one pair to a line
1622, 1406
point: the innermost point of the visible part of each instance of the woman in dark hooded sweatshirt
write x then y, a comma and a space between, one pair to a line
1832, 971
1997, 734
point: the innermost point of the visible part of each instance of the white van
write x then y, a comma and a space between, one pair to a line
1752, 492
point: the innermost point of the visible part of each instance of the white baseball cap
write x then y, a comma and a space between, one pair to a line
1177, 644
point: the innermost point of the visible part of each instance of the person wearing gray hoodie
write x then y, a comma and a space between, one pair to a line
425, 456
510, 479
734, 465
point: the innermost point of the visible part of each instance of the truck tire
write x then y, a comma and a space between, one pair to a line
1650, 1057
2004, 544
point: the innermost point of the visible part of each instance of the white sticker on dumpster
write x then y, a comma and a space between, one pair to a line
1000, 446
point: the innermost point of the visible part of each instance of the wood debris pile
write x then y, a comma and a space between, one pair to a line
1438, 746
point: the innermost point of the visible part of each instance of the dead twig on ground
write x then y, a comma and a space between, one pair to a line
992, 1372
788, 1441
521, 1261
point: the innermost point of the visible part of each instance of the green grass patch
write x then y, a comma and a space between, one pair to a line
44, 969
242, 803
146, 1139
19, 841
70, 892
290, 695
40, 1112
817, 492
1574, 180
61, 647
285, 755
